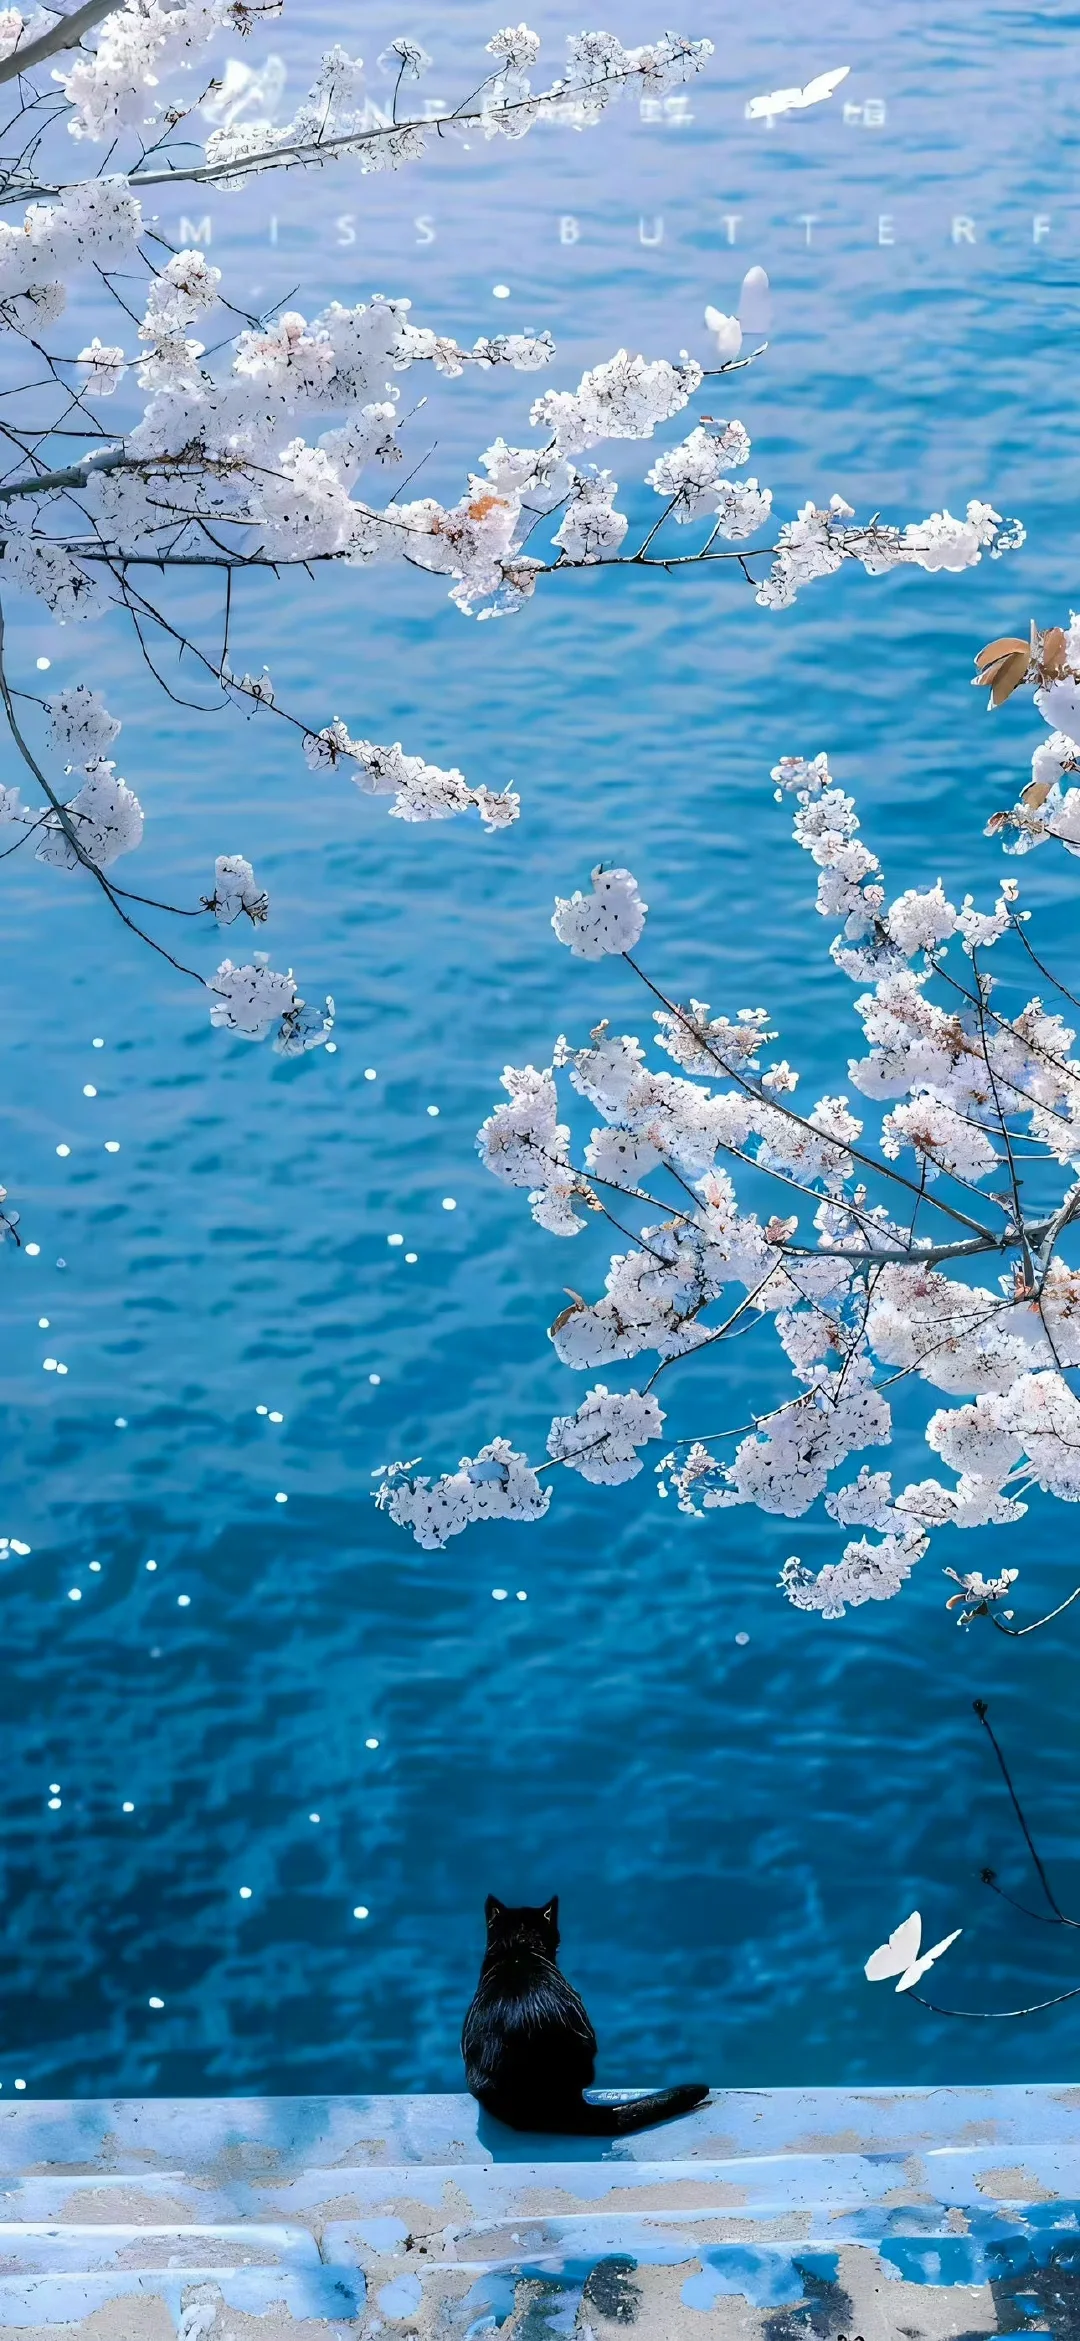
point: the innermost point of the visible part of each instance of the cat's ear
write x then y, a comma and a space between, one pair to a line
550, 1912
493, 1909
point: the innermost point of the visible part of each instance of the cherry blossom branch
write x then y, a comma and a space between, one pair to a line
684, 58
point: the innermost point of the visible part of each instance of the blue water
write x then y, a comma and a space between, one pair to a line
731, 1826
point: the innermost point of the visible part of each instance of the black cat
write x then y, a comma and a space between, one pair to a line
528, 2045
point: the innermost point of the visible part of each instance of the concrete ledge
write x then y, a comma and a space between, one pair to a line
765, 2216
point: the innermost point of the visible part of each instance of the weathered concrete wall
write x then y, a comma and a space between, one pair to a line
772, 2215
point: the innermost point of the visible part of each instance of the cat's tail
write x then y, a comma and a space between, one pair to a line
639, 2113
577, 2117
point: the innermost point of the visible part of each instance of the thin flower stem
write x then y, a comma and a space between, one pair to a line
1017, 1633
982, 1712
997, 2015
1045, 971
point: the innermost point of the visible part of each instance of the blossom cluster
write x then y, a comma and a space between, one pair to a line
113, 87
872, 1295
421, 791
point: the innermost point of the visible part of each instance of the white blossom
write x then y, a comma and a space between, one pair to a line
554, 1207
47, 570
919, 922
590, 529
981, 929
516, 48
601, 1440
942, 1139
250, 1000
608, 920
944, 543
80, 726
496, 1484
524, 1143
105, 817
691, 472
304, 1026
236, 891
106, 366
867, 1572
623, 399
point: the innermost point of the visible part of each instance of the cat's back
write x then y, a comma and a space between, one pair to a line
521, 1991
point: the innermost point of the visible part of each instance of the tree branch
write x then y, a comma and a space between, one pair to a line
66, 34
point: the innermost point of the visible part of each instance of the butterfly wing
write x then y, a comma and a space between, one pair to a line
727, 330
823, 85
779, 101
893, 1957
918, 1968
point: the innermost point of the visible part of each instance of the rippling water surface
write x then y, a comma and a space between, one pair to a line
733, 1802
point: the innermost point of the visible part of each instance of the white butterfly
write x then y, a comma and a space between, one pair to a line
727, 330
787, 101
900, 1955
